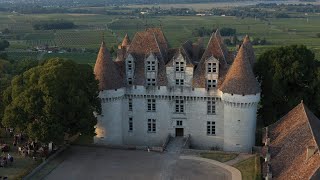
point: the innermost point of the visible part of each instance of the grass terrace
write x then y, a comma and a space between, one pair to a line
250, 168
219, 156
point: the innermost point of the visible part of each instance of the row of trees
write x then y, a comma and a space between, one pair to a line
204, 31
50, 25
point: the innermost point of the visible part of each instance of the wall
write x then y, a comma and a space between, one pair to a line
194, 118
109, 126
239, 121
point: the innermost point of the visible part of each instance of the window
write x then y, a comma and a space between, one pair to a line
179, 66
129, 81
180, 82
130, 104
211, 83
211, 107
211, 128
179, 106
151, 65
151, 104
151, 82
152, 125
129, 65
130, 124
179, 123
212, 68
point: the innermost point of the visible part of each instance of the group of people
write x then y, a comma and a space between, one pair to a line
6, 160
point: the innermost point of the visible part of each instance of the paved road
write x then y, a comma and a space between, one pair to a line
100, 163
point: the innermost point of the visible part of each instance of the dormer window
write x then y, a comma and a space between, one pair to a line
151, 65
212, 67
179, 66
129, 65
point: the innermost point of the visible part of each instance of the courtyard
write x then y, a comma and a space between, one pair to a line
80, 162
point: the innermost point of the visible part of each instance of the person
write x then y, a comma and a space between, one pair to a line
11, 159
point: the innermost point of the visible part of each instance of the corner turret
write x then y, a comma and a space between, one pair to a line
106, 71
240, 94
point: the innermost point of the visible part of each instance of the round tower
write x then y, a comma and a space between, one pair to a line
240, 94
109, 126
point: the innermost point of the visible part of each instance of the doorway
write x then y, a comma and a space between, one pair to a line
179, 132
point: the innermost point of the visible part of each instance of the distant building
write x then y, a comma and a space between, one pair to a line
291, 148
151, 91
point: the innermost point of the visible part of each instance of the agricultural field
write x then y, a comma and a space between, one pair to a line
177, 29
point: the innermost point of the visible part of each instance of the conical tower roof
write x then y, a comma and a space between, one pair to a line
106, 71
125, 41
240, 78
249, 50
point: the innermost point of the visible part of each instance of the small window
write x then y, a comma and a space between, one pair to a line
151, 66
129, 81
151, 105
179, 82
211, 107
129, 65
179, 106
179, 123
211, 128
151, 82
130, 124
211, 83
152, 126
211, 67
130, 104
179, 66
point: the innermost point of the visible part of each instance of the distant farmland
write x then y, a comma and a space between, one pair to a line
178, 29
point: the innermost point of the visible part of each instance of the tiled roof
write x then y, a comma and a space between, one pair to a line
240, 78
217, 49
249, 50
106, 71
180, 51
290, 138
149, 41
125, 41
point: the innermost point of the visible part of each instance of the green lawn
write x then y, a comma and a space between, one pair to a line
250, 168
219, 156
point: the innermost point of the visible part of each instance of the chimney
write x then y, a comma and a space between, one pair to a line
310, 151
268, 157
267, 142
269, 176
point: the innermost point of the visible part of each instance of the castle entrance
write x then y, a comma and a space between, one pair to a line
179, 132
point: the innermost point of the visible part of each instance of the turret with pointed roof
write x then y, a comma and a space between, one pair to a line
249, 50
106, 70
125, 42
240, 78
218, 50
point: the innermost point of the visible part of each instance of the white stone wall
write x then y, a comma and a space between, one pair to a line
239, 121
109, 126
231, 134
172, 75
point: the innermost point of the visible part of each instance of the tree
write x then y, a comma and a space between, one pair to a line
55, 98
3, 44
287, 75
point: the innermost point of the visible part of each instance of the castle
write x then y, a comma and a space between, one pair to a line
151, 91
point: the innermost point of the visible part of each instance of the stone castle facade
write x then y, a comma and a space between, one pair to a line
151, 91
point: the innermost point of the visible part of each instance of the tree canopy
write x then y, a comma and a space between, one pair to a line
287, 75
51, 99
4, 44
